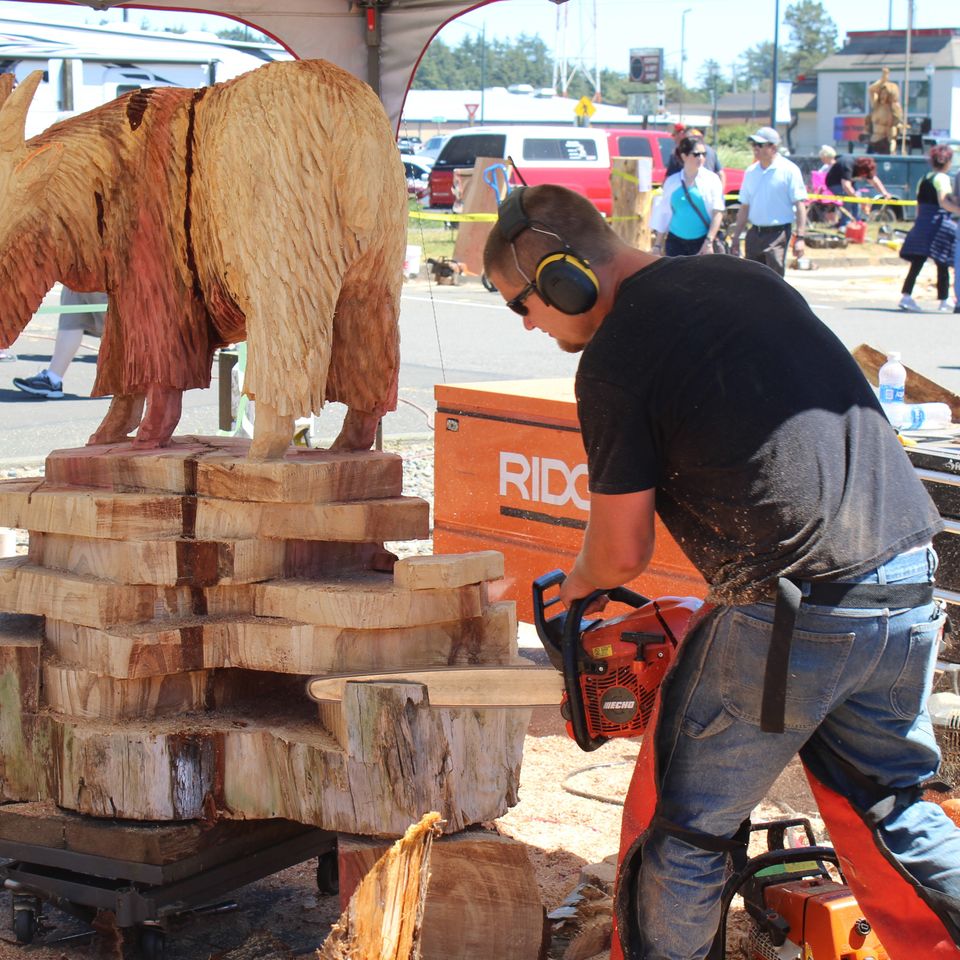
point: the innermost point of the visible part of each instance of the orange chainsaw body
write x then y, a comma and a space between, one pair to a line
626, 658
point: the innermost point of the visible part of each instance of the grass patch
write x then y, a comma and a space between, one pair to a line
434, 237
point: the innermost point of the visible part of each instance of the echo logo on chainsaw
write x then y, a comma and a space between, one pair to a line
619, 705
542, 479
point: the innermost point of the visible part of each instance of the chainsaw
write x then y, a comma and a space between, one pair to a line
797, 908
612, 669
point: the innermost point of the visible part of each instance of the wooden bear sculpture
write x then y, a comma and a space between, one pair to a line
271, 208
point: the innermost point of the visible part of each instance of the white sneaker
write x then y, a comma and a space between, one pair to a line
946, 306
909, 305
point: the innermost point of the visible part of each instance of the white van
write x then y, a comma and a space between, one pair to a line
574, 157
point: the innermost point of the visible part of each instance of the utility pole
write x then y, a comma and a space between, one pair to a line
776, 63
906, 81
683, 57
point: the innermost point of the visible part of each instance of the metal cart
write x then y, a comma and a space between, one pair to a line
146, 896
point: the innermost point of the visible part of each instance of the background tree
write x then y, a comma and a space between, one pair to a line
756, 65
712, 78
813, 37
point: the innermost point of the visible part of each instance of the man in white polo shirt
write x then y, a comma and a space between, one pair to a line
771, 197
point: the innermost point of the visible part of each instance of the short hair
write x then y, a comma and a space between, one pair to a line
827, 151
864, 167
557, 210
941, 155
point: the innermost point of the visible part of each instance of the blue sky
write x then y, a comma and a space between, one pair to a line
713, 29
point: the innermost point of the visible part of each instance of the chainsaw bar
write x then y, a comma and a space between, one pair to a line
492, 686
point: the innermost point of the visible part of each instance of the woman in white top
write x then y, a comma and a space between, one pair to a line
687, 217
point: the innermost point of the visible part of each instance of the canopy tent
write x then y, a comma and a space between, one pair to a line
380, 41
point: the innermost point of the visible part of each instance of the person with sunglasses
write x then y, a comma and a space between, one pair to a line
687, 216
772, 464
772, 196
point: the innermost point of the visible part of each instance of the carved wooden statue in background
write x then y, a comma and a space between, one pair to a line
885, 122
271, 208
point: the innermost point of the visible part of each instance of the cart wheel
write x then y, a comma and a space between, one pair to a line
25, 925
488, 284
328, 874
153, 943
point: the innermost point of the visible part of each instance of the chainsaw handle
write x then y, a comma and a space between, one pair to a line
571, 651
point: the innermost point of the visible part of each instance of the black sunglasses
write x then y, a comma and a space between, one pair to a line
517, 304
697, 153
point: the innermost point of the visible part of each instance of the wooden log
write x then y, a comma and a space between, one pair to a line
140, 650
366, 600
453, 570
384, 917
278, 645
24, 762
399, 756
156, 844
395, 518
303, 476
918, 388
629, 203
171, 563
88, 513
477, 198
121, 468
483, 899
79, 693
99, 603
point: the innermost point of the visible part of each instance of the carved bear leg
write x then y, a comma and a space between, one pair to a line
272, 433
358, 432
122, 418
164, 406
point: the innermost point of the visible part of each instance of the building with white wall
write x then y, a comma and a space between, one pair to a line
932, 98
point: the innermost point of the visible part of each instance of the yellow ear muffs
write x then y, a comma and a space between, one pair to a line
566, 283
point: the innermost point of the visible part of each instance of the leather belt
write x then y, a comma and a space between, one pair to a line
789, 596
773, 226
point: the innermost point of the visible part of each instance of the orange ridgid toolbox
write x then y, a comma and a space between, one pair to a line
510, 474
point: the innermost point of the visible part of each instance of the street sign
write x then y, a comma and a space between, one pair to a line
471, 110
646, 64
585, 107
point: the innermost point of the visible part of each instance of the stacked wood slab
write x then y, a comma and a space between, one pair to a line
158, 636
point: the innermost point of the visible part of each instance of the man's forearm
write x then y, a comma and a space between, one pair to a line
617, 544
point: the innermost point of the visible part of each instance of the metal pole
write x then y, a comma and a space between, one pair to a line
906, 81
483, 69
776, 62
683, 57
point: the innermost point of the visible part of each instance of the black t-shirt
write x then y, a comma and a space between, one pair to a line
712, 381
842, 169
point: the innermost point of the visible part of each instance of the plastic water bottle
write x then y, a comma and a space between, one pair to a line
892, 377
926, 416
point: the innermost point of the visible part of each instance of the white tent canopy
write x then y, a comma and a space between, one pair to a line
380, 41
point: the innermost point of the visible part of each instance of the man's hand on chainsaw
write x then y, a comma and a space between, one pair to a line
575, 587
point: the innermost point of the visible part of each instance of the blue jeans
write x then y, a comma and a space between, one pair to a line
859, 677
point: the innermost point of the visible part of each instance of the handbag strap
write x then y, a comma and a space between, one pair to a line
696, 209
